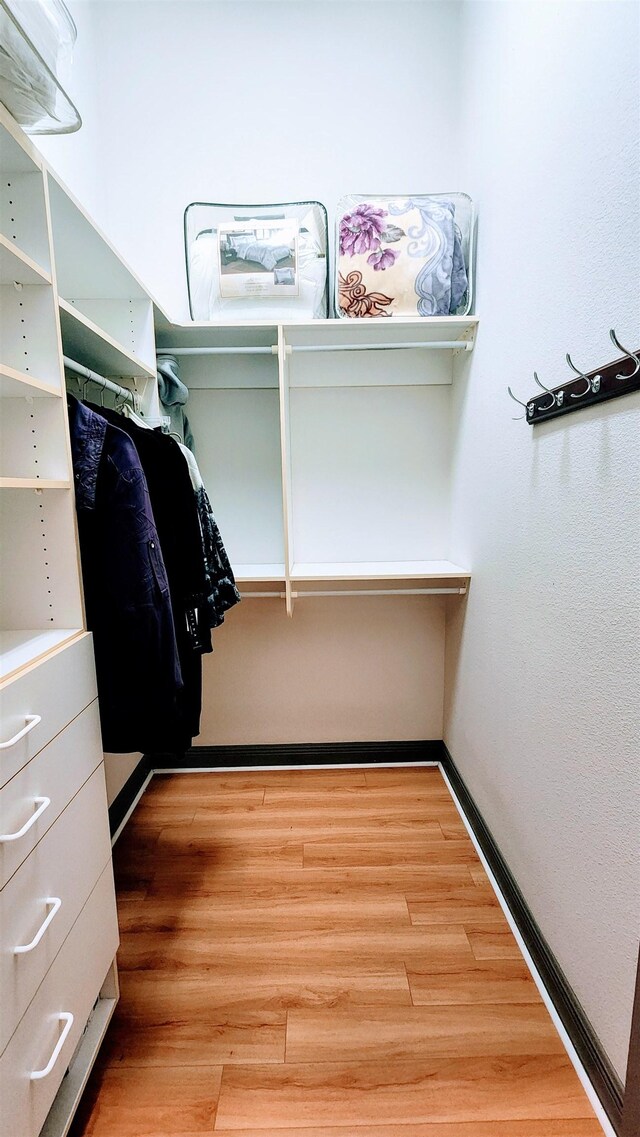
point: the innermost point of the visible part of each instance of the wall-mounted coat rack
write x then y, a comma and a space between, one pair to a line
620, 377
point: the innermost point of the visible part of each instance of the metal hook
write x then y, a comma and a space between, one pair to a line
554, 398
616, 341
527, 406
593, 385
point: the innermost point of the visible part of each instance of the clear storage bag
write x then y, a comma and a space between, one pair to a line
404, 256
256, 262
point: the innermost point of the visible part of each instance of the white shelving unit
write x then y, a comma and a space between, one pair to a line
49, 723
104, 311
326, 449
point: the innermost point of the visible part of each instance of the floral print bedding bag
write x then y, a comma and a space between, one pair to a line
401, 257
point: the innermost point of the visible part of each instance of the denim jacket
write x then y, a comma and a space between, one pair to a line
127, 601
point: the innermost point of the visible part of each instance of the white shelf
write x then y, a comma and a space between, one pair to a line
380, 570
17, 385
20, 648
33, 484
87, 264
88, 344
247, 573
263, 333
17, 266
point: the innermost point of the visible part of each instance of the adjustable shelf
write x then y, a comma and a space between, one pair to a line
116, 312
16, 267
245, 574
85, 341
16, 384
379, 570
34, 484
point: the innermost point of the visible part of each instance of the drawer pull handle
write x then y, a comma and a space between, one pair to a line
56, 904
64, 1017
45, 802
30, 721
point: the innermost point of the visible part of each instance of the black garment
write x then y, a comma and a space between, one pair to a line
126, 591
174, 510
221, 584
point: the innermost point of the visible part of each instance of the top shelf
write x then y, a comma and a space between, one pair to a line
321, 333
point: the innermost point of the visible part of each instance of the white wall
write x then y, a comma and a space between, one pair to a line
246, 102
543, 665
78, 157
341, 670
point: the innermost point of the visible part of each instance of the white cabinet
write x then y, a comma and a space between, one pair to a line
58, 926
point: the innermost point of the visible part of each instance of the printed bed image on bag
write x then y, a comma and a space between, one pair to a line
404, 256
257, 262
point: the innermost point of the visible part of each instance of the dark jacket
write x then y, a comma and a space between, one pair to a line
126, 591
175, 513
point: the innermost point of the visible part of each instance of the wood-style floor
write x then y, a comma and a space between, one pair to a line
320, 954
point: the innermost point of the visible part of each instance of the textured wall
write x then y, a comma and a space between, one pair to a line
252, 101
542, 673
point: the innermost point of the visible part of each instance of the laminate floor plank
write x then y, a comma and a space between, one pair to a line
374, 798
391, 1034
389, 852
319, 954
200, 917
579, 1127
168, 878
370, 1093
141, 1102
469, 903
490, 942
472, 981
159, 949
165, 996
205, 1036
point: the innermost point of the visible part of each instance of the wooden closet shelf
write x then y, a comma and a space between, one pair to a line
16, 384
16, 267
34, 484
379, 570
85, 341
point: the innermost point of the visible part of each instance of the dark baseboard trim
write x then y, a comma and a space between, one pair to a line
127, 795
300, 754
599, 1070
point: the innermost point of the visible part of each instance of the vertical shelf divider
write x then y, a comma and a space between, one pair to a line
285, 452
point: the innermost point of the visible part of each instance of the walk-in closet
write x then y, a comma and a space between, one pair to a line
319, 604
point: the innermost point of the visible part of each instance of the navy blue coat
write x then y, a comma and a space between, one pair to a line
128, 607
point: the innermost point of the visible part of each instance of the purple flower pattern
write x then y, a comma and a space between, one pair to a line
363, 230
382, 258
360, 231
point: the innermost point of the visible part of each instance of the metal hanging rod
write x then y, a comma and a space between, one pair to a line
99, 380
436, 345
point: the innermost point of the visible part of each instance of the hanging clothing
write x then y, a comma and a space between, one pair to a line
222, 591
176, 517
173, 395
127, 600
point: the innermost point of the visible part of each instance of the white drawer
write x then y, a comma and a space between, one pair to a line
70, 988
54, 776
56, 690
63, 868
